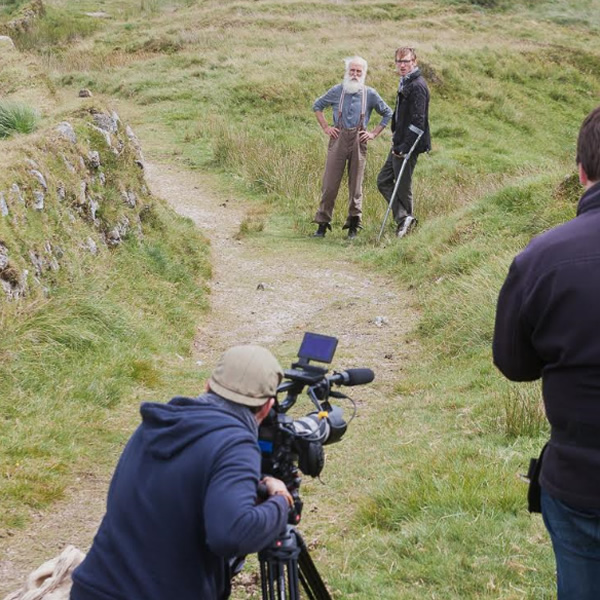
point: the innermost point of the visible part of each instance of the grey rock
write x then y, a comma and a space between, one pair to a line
38, 200
91, 245
6, 43
135, 143
94, 158
3, 257
52, 263
105, 135
94, 206
14, 286
113, 237
129, 198
15, 194
82, 193
68, 164
123, 226
85, 93
106, 122
3, 205
380, 321
66, 131
37, 262
41, 179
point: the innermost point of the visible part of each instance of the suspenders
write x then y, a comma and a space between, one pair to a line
363, 108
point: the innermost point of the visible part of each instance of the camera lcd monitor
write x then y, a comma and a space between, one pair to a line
315, 346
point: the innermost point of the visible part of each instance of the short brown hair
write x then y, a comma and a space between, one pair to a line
404, 51
588, 145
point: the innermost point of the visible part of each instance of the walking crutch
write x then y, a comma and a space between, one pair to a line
419, 133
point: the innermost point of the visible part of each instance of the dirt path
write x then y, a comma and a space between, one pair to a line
264, 290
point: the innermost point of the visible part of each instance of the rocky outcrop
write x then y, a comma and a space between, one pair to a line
78, 187
27, 17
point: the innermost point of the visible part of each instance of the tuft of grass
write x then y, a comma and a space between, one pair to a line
523, 410
54, 31
17, 118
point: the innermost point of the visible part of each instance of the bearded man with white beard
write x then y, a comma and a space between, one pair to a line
352, 103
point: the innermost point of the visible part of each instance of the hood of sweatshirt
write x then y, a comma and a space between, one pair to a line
169, 428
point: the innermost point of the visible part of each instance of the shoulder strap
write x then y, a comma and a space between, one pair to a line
340, 106
363, 108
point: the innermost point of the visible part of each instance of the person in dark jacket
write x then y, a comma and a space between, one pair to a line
548, 326
412, 108
182, 503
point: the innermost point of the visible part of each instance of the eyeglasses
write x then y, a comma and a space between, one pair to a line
404, 61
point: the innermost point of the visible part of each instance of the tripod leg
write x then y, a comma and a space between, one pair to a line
266, 581
293, 580
309, 576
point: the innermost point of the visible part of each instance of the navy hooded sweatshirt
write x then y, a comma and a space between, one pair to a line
182, 501
548, 326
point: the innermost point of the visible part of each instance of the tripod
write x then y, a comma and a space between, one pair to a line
285, 564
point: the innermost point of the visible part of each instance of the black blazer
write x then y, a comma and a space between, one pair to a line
412, 108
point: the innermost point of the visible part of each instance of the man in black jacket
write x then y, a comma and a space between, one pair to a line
548, 326
412, 108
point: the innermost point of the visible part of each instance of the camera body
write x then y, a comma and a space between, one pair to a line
290, 446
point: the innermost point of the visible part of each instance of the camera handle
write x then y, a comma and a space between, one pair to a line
285, 565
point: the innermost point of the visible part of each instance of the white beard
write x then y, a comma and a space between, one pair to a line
351, 86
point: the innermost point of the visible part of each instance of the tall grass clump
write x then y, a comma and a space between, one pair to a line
17, 118
54, 31
523, 410
10, 6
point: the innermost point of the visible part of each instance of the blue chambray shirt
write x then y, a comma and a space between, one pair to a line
352, 106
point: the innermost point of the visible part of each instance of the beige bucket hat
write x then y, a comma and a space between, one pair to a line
247, 375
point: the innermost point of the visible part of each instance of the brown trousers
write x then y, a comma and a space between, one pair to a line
346, 149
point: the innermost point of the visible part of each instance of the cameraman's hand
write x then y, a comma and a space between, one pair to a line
276, 487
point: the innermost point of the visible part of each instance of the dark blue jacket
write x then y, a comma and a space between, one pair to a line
548, 325
182, 502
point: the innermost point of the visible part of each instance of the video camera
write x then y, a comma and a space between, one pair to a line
288, 445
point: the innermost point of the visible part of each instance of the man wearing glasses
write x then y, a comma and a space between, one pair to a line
411, 115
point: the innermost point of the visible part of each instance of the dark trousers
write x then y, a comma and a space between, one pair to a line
386, 180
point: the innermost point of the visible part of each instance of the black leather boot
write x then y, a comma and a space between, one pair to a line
322, 230
353, 226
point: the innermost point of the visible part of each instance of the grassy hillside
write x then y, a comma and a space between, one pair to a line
229, 89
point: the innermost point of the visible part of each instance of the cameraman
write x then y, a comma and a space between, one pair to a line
548, 326
183, 499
